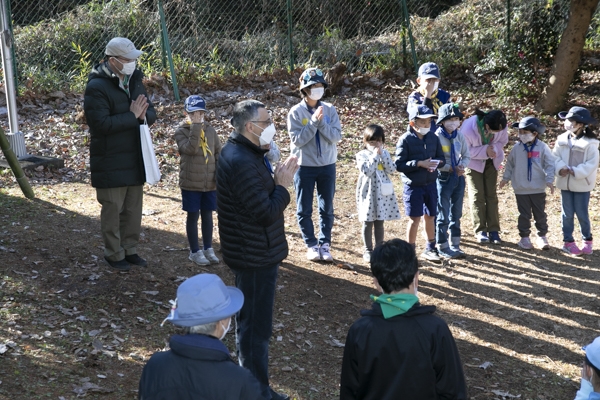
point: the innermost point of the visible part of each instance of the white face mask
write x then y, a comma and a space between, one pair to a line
424, 131
316, 93
127, 68
570, 126
371, 148
451, 126
526, 137
266, 135
225, 330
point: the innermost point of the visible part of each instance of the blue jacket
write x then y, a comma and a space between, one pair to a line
410, 150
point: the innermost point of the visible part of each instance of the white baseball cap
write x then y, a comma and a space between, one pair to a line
122, 47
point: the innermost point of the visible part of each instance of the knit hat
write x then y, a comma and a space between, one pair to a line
122, 47
312, 76
449, 111
530, 124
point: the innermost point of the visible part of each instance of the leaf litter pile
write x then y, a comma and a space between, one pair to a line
72, 327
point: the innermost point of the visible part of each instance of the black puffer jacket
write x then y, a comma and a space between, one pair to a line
115, 146
250, 207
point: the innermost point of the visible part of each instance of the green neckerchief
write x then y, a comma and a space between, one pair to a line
485, 138
395, 304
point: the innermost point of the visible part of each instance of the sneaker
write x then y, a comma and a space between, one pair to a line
312, 254
455, 247
278, 396
525, 243
495, 237
136, 260
198, 258
587, 247
325, 254
446, 253
121, 265
542, 243
431, 255
367, 256
482, 237
210, 256
571, 248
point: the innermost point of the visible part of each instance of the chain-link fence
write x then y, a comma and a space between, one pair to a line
59, 40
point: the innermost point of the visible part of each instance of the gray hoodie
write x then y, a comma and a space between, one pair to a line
303, 129
542, 168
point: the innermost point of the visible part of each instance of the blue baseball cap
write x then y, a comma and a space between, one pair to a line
194, 103
449, 111
530, 124
420, 111
203, 299
312, 76
578, 114
592, 352
429, 70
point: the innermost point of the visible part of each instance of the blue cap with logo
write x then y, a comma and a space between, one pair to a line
194, 103
312, 76
447, 111
420, 111
429, 70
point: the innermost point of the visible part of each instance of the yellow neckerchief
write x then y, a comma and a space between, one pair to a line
203, 143
434, 101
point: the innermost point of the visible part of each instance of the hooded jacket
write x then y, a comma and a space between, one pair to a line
411, 149
250, 207
196, 367
195, 173
115, 145
582, 157
411, 356
478, 150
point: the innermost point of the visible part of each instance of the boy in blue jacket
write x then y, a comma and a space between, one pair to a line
418, 156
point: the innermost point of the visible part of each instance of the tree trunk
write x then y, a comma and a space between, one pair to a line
568, 55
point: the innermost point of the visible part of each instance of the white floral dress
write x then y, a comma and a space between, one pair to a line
374, 170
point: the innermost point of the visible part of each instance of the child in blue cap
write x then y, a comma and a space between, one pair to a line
576, 153
428, 93
199, 148
530, 169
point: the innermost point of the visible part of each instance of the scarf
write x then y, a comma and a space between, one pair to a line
451, 137
204, 144
317, 137
529, 157
395, 304
485, 137
435, 103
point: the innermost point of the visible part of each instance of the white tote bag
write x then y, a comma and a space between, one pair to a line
150, 162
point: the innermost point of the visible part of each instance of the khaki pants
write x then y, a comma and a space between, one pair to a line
120, 220
484, 198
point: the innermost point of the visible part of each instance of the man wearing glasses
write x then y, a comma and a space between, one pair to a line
115, 105
251, 198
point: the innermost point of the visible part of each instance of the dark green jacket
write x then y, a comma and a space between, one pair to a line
115, 146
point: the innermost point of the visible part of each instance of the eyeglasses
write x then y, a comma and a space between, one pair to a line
267, 121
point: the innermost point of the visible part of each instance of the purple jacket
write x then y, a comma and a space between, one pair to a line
478, 150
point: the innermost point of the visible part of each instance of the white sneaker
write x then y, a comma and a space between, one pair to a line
325, 254
198, 258
211, 257
313, 254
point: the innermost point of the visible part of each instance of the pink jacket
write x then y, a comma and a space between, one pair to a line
478, 150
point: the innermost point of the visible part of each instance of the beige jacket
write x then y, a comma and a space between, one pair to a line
195, 173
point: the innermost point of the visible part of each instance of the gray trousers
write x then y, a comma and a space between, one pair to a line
367, 234
528, 204
120, 220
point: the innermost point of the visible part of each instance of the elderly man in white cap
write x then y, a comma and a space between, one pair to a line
115, 106
199, 366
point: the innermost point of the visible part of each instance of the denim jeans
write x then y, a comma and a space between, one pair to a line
451, 192
254, 322
575, 203
304, 181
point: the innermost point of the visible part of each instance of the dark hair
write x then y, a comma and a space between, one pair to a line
587, 130
243, 112
373, 132
394, 263
596, 377
495, 119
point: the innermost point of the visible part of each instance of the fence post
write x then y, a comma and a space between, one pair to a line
508, 16
410, 36
290, 31
165, 38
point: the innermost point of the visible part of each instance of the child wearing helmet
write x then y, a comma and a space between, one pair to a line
530, 169
314, 129
199, 148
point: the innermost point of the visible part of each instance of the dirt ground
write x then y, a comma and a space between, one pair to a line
72, 327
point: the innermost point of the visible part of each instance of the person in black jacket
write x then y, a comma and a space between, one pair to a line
115, 104
418, 156
250, 204
198, 365
399, 349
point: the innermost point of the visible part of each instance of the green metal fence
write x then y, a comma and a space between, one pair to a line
59, 40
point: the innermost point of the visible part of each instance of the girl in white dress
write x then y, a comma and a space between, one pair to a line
375, 198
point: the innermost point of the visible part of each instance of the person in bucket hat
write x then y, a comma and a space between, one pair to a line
199, 149
530, 169
450, 181
314, 128
203, 307
576, 153
590, 373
